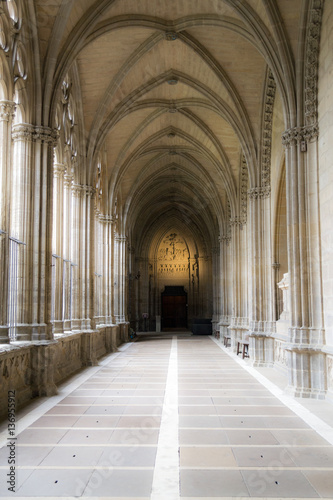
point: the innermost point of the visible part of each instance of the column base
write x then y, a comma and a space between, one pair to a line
305, 393
88, 353
34, 332
261, 350
307, 372
237, 328
4, 334
42, 369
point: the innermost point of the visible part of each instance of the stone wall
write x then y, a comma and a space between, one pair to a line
35, 369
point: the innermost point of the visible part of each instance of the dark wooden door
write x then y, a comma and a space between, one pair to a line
174, 311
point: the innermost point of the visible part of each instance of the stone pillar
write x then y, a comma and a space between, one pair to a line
239, 322
120, 283
31, 224
306, 336
77, 254
7, 109
57, 248
107, 225
216, 274
87, 244
225, 287
66, 253
261, 313
91, 248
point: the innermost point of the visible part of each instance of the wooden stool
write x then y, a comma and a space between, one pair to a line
226, 340
243, 347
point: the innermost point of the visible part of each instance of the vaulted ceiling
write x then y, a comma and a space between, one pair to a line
172, 97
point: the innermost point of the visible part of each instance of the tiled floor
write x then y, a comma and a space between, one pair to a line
166, 418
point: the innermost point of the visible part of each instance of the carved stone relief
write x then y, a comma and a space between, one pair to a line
173, 256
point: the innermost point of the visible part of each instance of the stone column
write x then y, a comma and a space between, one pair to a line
87, 252
90, 248
107, 225
261, 313
239, 322
66, 253
306, 335
216, 275
225, 283
77, 253
120, 283
7, 109
31, 224
57, 248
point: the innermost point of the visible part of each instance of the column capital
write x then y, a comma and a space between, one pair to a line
59, 170
296, 135
31, 133
237, 222
120, 239
7, 110
80, 190
68, 180
105, 218
257, 193
225, 239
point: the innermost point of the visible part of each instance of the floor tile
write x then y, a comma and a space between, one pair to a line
86, 436
97, 421
26, 455
73, 456
298, 437
194, 456
196, 421
55, 421
313, 457
198, 410
251, 437
253, 456
208, 483
56, 483
202, 436
134, 436
278, 484
128, 456
68, 410
119, 483
41, 436
322, 482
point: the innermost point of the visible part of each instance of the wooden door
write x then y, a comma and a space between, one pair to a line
174, 311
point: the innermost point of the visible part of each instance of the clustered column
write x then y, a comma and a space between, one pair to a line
120, 302
239, 320
226, 280
261, 312
306, 360
31, 228
7, 109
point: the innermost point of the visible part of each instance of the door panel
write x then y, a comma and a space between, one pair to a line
174, 311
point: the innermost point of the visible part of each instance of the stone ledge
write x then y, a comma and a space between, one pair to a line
34, 369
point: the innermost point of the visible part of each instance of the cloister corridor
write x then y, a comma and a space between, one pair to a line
171, 416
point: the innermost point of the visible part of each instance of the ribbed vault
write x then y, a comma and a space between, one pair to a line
172, 103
